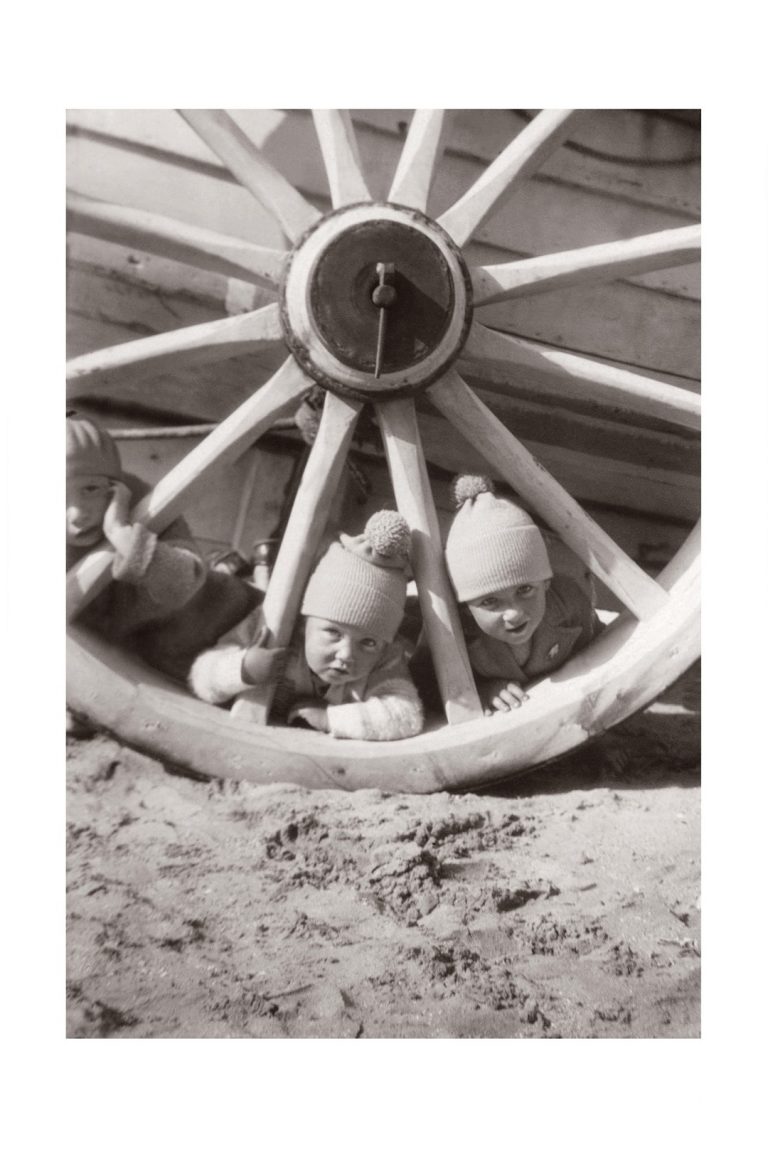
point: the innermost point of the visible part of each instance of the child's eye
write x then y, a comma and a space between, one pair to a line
489, 602
525, 589
332, 632
369, 642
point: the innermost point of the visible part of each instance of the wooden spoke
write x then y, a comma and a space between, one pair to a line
176, 241
338, 144
523, 156
244, 160
582, 266
501, 358
419, 159
198, 344
642, 595
303, 534
160, 507
407, 467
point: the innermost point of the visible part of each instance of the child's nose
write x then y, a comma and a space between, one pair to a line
511, 613
344, 649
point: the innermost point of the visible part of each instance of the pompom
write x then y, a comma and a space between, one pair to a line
467, 487
388, 533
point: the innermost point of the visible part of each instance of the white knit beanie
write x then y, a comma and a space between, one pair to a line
91, 451
492, 544
362, 580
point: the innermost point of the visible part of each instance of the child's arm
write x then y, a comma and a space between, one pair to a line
221, 673
169, 572
391, 709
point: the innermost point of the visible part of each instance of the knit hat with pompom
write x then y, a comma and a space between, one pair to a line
90, 450
362, 580
492, 544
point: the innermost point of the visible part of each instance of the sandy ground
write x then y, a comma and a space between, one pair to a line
566, 904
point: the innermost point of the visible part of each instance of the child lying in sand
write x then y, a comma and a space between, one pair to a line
345, 672
522, 622
163, 603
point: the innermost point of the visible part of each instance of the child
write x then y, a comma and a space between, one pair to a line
345, 672
522, 622
163, 602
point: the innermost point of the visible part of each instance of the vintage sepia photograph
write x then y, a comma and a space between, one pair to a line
383, 595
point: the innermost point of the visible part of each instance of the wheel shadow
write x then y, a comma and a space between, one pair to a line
659, 747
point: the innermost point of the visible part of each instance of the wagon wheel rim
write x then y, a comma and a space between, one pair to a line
463, 344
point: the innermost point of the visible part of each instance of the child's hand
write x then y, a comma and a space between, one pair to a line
262, 665
502, 695
309, 713
117, 523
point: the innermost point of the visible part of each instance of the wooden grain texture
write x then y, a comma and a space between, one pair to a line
301, 539
198, 344
407, 467
176, 241
166, 501
563, 373
628, 322
418, 161
341, 157
228, 141
592, 265
609, 201
520, 158
579, 531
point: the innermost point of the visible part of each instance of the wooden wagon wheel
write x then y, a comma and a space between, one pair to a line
376, 303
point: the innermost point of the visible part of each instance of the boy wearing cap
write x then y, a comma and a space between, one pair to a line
345, 672
162, 602
522, 622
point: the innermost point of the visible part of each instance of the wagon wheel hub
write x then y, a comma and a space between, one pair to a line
369, 333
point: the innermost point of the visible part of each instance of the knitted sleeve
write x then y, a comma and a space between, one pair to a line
168, 569
390, 709
216, 674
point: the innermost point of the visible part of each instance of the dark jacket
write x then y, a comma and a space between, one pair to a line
163, 602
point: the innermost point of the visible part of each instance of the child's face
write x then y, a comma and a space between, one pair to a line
88, 498
338, 653
512, 614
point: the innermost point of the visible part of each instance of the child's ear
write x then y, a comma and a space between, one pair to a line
547, 584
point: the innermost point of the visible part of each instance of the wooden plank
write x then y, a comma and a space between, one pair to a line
160, 507
534, 223
199, 344
520, 158
421, 154
579, 531
627, 140
176, 241
302, 537
626, 322
562, 371
582, 266
341, 157
228, 141
407, 467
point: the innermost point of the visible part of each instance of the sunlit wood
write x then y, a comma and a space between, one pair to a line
338, 144
280, 395
514, 462
520, 158
302, 537
187, 243
419, 158
244, 160
249, 333
564, 375
582, 266
407, 467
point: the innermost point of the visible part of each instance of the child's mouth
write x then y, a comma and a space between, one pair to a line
516, 629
